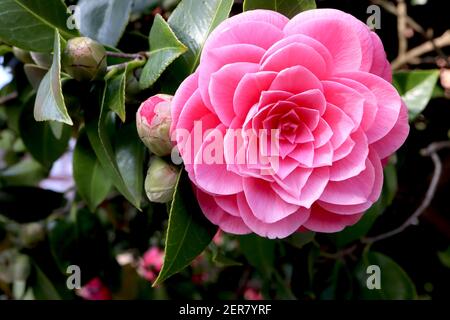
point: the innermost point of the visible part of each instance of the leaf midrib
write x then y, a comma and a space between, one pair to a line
48, 23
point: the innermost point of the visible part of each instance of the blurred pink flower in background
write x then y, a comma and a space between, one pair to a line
151, 263
252, 294
95, 290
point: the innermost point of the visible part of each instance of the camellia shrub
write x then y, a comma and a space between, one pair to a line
216, 149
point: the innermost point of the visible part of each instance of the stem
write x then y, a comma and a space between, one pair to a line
125, 55
401, 28
8, 97
136, 63
430, 151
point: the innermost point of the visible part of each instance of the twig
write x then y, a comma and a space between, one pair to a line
401, 28
430, 151
340, 254
8, 97
413, 54
125, 55
389, 7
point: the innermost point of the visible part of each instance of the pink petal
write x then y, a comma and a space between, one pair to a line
314, 187
352, 191
228, 204
395, 138
344, 150
265, 204
296, 80
279, 229
322, 134
217, 58
355, 162
296, 54
248, 91
340, 124
218, 216
304, 154
184, 92
312, 99
322, 220
323, 156
389, 104
223, 85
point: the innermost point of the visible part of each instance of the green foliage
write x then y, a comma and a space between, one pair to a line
49, 103
395, 283
289, 8
416, 88
37, 20
164, 49
92, 181
104, 20
192, 22
260, 253
188, 232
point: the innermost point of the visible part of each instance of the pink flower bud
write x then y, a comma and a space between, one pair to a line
153, 123
95, 290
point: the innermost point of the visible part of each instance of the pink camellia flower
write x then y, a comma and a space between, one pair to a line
151, 263
319, 86
95, 290
153, 124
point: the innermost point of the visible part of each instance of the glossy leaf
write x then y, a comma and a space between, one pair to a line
49, 104
92, 181
416, 88
395, 283
40, 139
27, 172
37, 20
260, 253
164, 49
300, 239
28, 204
103, 20
115, 94
188, 232
100, 129
289, 8
192, 22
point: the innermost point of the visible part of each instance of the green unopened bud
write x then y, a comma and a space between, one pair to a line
22, 55
84, 59
153, 122
42, 59
160, 181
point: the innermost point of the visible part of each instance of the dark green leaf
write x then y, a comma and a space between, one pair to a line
27, 172
28, 204
289, 8
100, 129
444, 257
49, 104
193, 21
164, 49
395, 283
260, 253
223, 261
43, 288
188, 233
416, 88
92, 181
115, 94
40, 139
130, 154
300, 239
103, 20
30, 24
80, 240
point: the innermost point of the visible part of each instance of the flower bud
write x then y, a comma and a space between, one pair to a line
153, 123
22, 55
84, 59
160, 181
